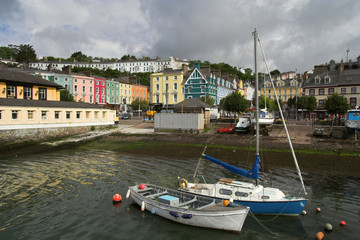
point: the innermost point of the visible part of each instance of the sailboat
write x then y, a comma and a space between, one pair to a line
260, 199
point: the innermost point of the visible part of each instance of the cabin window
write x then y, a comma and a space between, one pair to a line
57, 114
14, 114
241, 194
225, 191
11, 91
43, 115
265, 197
42, 93
30, 115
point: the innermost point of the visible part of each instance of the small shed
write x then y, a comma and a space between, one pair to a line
194, 105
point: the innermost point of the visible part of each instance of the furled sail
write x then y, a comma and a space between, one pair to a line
253, 173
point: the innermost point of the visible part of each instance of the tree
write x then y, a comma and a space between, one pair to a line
209, 100
307, 102
236, 103
79, 56
336, 104
128, 57
5, 52
66, 96
143, 104
25, 54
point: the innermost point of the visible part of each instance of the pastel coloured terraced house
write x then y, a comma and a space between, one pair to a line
167, 87
81, 88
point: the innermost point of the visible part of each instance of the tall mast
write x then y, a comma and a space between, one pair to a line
256, 95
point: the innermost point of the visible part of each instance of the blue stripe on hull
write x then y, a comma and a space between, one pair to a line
281, 207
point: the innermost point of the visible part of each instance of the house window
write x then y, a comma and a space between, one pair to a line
96, 115
352, 102
353, 90
321, 103
157, 87
57, 115
312, 92
317, 80
327, 79
166, 78
157, 99
103, 114
343, 90
90, 89
175, 77
87, 114
27, 93
175, 86
331, 91
83, 80
75, 88
83, 88
11, 91
78, 115
103, 91
42, 93
202, 89
43, 115
66, 79
56, 79
30, 115
68, 114
157, 79
321, 91
189, 90
0, 114
75, 80
14, 114
175, 98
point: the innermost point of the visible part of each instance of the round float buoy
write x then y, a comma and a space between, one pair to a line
328, 227
319, 236
318, 210
342, 223
117, 198
303, 212
128, 194
183, 184
226, 203
142, 186
143, 206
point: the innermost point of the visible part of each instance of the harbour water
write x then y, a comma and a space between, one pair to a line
67, 194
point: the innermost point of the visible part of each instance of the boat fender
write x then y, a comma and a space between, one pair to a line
183, 183
153, 210
143, 206
128, 194
187, 215
175, 214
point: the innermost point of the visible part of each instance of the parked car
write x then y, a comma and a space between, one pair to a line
126, 116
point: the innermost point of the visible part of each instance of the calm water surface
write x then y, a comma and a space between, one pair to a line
68, 195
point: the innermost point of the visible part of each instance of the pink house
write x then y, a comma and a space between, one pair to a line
83, 88
99, 90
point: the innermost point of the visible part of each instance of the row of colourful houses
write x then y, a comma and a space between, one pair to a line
84, 87
30, 102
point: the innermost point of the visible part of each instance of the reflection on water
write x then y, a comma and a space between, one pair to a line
67, 195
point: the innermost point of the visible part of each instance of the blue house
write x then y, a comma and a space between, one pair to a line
199, 83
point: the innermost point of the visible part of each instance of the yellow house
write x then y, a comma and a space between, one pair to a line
19, 85
167, 87
286, 86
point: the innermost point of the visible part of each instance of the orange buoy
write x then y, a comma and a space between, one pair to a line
142, 186
342, 223
117, 198
319, 236
226, 203
318, 210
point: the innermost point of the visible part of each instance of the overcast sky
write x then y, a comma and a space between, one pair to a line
295, 34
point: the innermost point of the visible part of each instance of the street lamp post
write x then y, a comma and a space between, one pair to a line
296, 108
